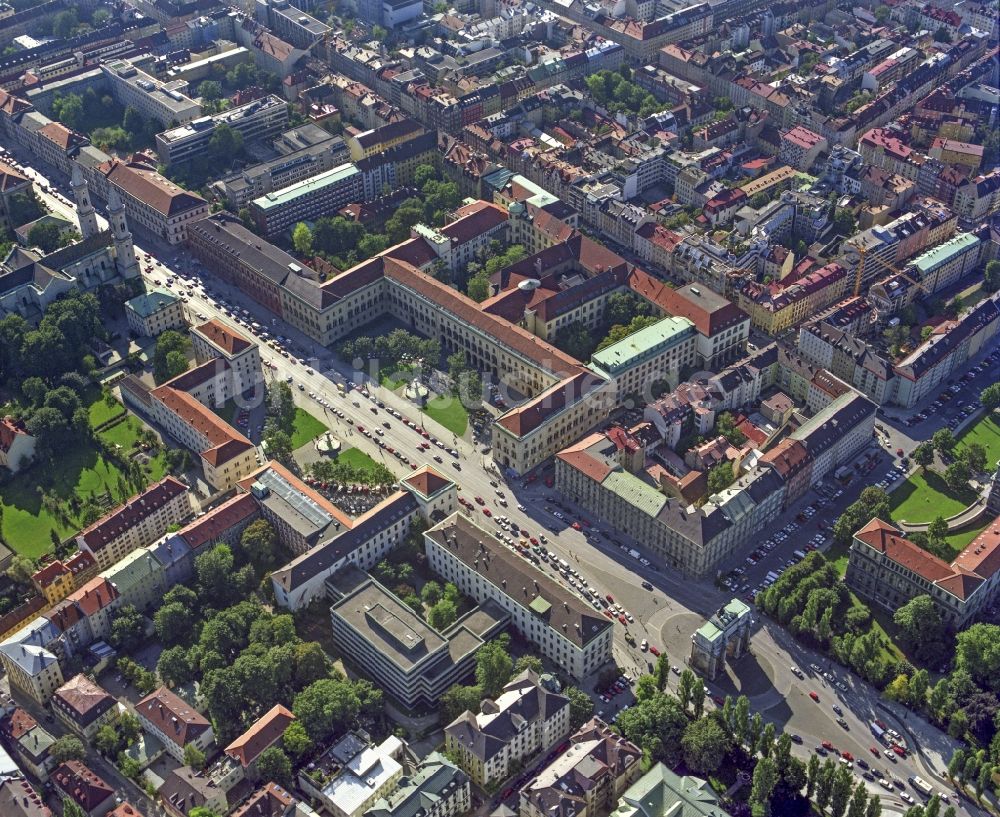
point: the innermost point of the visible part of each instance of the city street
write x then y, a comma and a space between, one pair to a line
666, 616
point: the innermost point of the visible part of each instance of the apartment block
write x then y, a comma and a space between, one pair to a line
151, 200
562, 627
331, 540
284, 171
658, 353
438, 788
174, 722
587, 779
947, 349
83, 706
213, 340
226, 455
525, 718
308, 199
154, 312
140, 521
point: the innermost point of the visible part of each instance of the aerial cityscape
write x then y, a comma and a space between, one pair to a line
499, 408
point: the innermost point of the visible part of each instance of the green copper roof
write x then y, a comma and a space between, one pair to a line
928, 261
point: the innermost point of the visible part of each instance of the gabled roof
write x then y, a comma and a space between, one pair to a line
152, 189
888, 540
265, 732
81, 785
136, 510
19, 799
220, 335
172, 716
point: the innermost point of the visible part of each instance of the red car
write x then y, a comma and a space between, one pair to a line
718, 700
487, 512
480, 500
814, 696
654, 650
576, 526
609, 614
622, 619
610, 598
874, 751
361, 429
533, 540
899, 750
828, 746
847, 756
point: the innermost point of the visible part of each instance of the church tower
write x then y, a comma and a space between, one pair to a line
85, 212
125, 260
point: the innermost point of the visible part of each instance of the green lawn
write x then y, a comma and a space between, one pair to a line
925, 496
357, 459
27, 525
385, 378
306, 428
100, 411
958, 541
449, 412
81, 472
125, 434
986, 432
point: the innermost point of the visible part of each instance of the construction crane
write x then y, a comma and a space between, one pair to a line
862, 253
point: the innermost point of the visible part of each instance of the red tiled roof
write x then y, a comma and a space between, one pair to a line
788, 457
427, 481
211, 526
152, 189
19, 723
81, 696
888, 540
10, 430
982, 555
224, 441
10, 178
266, 730
269, 801
44, 576
94, 596
473, 220
218, 333
173, 716
81, 785
133, 512
126, 810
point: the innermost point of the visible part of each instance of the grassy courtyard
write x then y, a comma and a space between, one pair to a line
44, 498
925, 496
958, 541
986, 432
449, 412
305, 428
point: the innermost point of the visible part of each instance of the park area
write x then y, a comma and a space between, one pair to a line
305, 428
65, 496
925, 495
